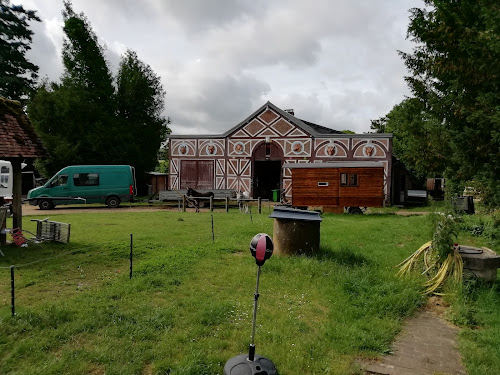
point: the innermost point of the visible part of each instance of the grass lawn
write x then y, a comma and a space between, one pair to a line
188, 307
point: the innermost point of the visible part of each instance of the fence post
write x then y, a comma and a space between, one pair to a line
227, 204
3, 222
211, 204
213, 235
184, 203
259, 203
12, 292
131, 253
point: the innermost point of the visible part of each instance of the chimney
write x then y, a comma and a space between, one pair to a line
290, 111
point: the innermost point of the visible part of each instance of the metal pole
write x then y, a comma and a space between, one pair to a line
211, 204
184, 203
131, 247
251, 349
213, 236
227, 204
12, 293
259, 202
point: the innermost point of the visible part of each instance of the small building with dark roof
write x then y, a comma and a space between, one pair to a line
250, 156
18, 141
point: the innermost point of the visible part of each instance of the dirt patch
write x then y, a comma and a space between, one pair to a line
58, 210
437, 305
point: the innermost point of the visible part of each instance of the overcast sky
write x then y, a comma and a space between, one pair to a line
334, 62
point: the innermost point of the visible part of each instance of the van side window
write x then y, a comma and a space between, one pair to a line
61, 180
86, 179
4, 169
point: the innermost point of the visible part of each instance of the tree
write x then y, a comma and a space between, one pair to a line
17, 75
455, 73
140, 103
76, 118
83, 58
85, 120
420, 141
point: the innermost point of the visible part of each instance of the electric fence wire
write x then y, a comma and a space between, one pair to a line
42, 260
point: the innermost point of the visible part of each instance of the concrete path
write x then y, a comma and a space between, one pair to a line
427, 345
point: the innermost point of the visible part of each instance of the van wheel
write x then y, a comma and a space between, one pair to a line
46, 204
113, 202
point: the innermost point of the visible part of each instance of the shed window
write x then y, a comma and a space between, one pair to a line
348, 179
86, 179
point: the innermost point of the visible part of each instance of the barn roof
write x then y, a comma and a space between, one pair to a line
309, 127
17, 136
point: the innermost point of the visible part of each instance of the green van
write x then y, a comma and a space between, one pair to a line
109, 184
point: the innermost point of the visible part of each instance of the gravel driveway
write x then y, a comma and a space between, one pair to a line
34, 210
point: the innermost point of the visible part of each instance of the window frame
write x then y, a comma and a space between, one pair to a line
349, 180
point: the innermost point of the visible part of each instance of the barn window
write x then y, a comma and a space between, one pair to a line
348, 179
322, 183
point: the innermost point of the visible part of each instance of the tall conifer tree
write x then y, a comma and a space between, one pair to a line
17, 75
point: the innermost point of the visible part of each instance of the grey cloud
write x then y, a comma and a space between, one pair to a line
219, 103
333, 61
44, 53
198, 16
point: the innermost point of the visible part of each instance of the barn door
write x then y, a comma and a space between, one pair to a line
197, 174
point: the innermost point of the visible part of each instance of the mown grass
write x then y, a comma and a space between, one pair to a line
188, 307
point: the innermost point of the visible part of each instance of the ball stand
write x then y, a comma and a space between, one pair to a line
261, 248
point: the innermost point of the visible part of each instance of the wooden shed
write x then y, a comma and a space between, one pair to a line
18, 142
156, 182
337, 185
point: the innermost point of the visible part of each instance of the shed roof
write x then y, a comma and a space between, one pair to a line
17, 136
342, 164
288, 213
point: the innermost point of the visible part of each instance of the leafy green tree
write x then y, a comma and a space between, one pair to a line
17, 75
76, 118
86, 120
420, 141
455, 73
83, 58
163, 162
140, 103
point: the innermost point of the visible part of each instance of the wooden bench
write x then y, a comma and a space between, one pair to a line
174, 195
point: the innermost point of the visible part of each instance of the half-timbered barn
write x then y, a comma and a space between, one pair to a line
250, 156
